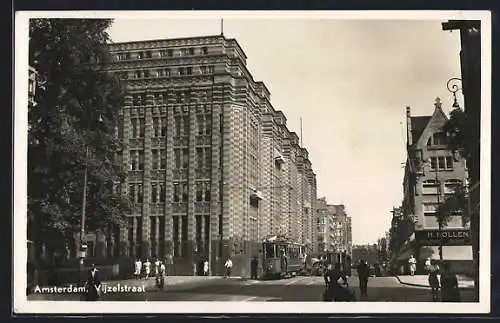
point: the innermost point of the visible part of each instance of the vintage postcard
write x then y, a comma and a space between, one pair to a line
252, 162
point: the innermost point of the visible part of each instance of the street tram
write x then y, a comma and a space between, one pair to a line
282, 257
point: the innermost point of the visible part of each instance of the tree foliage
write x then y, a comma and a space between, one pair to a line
401, 229
456, 130
453, 205
77, 108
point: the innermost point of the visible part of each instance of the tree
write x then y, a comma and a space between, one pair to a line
453, 205
77, 108
456, 130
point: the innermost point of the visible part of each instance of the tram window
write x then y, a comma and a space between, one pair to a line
270, 251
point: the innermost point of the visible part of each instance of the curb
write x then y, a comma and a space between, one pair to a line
427, 286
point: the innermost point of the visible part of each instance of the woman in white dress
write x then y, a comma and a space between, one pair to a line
138, 267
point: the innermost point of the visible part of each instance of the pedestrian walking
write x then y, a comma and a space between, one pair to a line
157, 266
254, 265
205, 268
160, 277
93, 284
428, 264
412, 262
138, 268
363, 274
433, 269
228, 266
449, 285
147, 268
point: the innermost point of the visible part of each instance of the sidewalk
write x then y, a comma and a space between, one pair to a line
171, 282
464, 282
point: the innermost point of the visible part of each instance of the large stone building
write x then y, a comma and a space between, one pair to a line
432, 173
333, 228
213, 167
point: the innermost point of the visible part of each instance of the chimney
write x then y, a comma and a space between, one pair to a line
409, 139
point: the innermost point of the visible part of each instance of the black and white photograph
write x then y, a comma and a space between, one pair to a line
252, 162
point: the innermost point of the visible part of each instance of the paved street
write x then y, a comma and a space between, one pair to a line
291, 289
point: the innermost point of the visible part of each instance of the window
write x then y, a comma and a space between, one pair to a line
163, 159
449, 162
177, 153
140, 55
162, 192
184, 192
185, 158
139, 193
450, 186
155, 159
170, 52
131, 192
199, 191
186, 125
269, 250
177, 126
206, 185
189, 70
430, 209
135, 129
208, 157
429, 187
141, 160
154, 192
199, 158
176, 235
204, 50
191, 51
177, 192
134, 159
439, 138
156, 126
142, 127
184, 236
163, 126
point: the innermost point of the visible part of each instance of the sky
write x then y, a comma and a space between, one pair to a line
350, 81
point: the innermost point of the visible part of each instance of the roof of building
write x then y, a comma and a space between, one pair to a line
418, 125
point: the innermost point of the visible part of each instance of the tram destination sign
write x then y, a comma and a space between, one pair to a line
449, 237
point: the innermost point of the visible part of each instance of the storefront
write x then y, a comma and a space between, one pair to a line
457, 247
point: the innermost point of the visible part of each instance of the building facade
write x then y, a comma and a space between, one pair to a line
212, 166
333, 228
470, 63
432, 173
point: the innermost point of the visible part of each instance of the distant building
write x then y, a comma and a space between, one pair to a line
212, 166
432, 173
333, 228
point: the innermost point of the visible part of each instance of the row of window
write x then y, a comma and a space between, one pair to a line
180, 194
181, 126
157, 243
180, 97
181, 158
167, 72
431, 187
442, 163
147, 54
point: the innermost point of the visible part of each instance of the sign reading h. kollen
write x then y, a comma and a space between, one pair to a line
449, 237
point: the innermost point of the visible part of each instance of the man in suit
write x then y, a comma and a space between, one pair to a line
93, 284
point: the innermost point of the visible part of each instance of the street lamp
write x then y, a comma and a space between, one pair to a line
453, 87
83, 244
